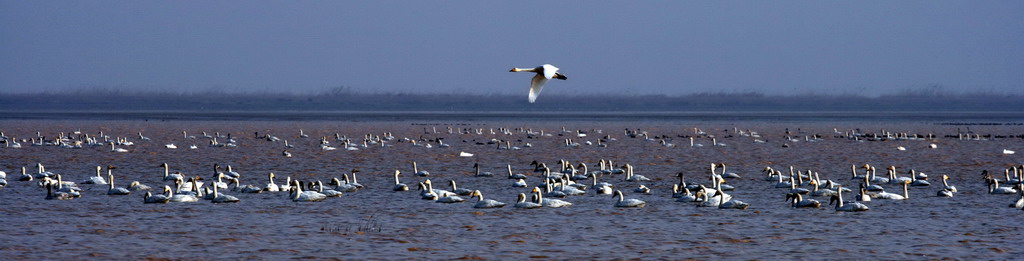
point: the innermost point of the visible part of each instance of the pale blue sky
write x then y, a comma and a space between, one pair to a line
644, 47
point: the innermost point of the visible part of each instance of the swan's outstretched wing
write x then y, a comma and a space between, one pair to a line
536, 85
549, 71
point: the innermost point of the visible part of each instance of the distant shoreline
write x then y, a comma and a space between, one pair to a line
117, 101
942, 118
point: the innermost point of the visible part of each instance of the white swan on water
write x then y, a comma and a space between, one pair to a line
149, 198
485, 203
522, 203
628, 203
399, 186
846, 207
98, 179
168, 175
111, 190
544, 73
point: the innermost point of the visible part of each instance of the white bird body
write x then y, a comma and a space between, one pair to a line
843, 207
544, 73
628, 203
298, 195
522, 203
485, 203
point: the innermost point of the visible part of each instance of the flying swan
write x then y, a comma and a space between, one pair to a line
544, 73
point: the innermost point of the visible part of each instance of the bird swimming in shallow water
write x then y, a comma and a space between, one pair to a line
544, 73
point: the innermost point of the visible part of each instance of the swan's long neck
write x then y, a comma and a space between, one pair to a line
540, 197
297, 186
167, 170
215, 191
509, 170
839, 191
414, 169
524, 69
944, 183
619, 193
110, 176
396, 178
454, 187
906, 193
853, 169
98, 172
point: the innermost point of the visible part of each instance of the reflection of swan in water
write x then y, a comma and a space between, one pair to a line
485, 203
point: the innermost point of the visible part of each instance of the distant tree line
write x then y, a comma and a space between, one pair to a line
345, 98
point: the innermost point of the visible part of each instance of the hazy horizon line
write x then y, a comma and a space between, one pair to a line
933, 90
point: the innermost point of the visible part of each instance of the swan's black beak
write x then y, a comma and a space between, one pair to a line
513, 70
560, 76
